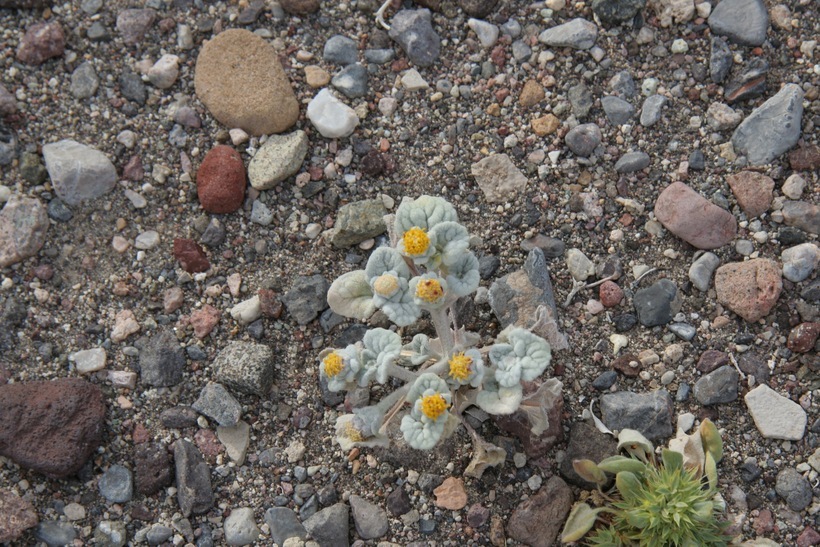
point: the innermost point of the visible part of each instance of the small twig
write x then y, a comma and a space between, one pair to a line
578, 286
737, 367
647, 272
380, 14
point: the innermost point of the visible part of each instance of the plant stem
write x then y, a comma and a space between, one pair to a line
403, 374
445, 333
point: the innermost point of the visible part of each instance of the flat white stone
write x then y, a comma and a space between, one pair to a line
247, 311
330, 116
89, 360
775, 416
236, 440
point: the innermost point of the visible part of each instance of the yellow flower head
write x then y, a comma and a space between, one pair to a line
429, 290
353, 434
333, 364
433, 406
386, 285
416, 241
460, 366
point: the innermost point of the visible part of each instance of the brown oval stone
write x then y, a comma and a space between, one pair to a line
300, 7
52, 427
40, 43
220, 181
750, 289
190, 255
803, 337
610, 294
693, 218
241, 81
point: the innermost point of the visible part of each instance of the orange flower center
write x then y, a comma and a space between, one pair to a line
429, 290
460, 366
416, 241
386, 285
333, 364
433, 406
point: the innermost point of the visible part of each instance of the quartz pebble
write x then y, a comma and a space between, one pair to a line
775, 416
330, 116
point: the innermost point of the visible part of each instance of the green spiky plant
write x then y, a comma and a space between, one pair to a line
654, 503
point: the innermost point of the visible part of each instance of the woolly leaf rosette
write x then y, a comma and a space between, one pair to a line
452, 240
360, 428
429, 291
340, 366
425, 424
462, 274
420, 350
466, 368
381, 348
350, 295
525, 357
498, 400
388, 277
423, 212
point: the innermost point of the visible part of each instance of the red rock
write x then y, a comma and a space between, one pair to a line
623, 364
51, 427
40, 43
712, 359
764, 522
270, 305
207, 443
610, 294
140, 434
190, 255
803, 337
152, 468
538, 520
805, 158
133, 170
220, 181
753, 191
693, 218
204, 320
16, 516
808, 537
750, 289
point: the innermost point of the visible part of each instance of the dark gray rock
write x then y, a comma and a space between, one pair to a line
719, 386
583, 139
8, 145
697, 162
617, 110
116, 484
55, 533
550, 246
32, 168
720, 60
214, 234
153, 469
577, 33
84, 81
358, 221
245, 367
398, 502
623, 85
340, 50
585, 441
379, 56
538, 520
605, 380
58, 211
132, 88
794, 488
306, 298
179, 417
657, 304
744, 22
632, 161
413, 31
580, 98
772, 128
684, 331
751, 83
284, 524
194, 492
515, 297
330, 526
216, 403
614, 12
158, 534
651, 110
370, 520
649, 413
162, 360
477, 8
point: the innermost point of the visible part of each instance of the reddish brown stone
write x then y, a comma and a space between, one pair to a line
808, 538
610, 294
207, 443
623, 364
803, 337
269, 304
750, 289
204, 320
712, 359
693, 218
40, 43
16, 516
153, 469
519, 425
805, 158
133, 170
190, 255
753, 191
538, 520
220, 181
52, 427
300, 7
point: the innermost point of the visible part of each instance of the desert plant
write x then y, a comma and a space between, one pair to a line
427, 268
671, 501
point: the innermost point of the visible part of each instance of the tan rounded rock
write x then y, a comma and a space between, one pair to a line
693, 218
750, 289
242, 83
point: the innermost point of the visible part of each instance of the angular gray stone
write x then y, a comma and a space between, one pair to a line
162, 360
245, 367
23, 226
577, 34
413, 31
772, 128
351, 81
330, 526
370, 520
800, 261
794, 488
357, 222
132, 24
657, 304
617, 110
631, 162
580, 98
776, 416
744, 22
340, 50
538, 520
284, 524
116, 484
803, 215
613, 12
216, 403
84, 81
719, 386
240, 527
306, 298
280, 157
720, 60
194, 491
78, 172
649, 413
498, 178
701, 270
585, 441
55, 533
651, 111
515, 297
583, 139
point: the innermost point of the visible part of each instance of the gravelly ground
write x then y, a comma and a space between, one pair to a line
430, 157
